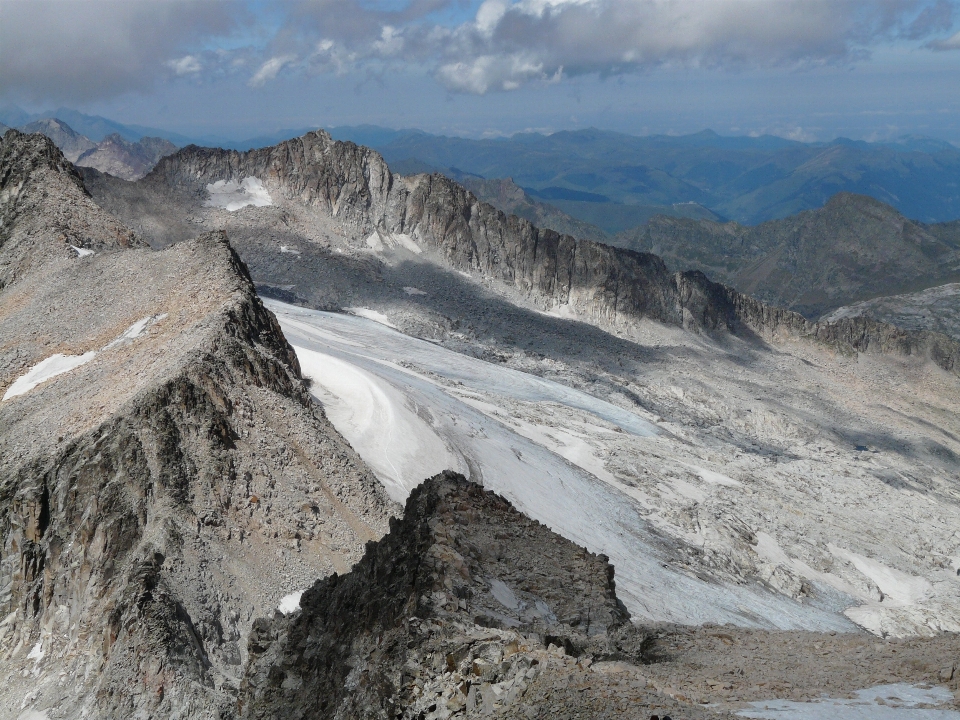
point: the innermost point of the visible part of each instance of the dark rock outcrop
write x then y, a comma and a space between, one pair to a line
456, 612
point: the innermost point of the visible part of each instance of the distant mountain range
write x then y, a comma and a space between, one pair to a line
114, 153
615, 181
852, 249
592, 174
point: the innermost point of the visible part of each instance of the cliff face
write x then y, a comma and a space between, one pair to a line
466, 608
355, 186
610, 287
170, 483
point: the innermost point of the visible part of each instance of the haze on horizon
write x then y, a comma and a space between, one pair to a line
802, 69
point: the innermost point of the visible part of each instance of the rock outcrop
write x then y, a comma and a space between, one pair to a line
164, 475
467, 608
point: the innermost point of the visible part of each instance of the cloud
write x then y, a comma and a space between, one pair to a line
81, 50
187, 65
510, 43
269, 70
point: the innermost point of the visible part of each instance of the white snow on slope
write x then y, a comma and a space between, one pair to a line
82, 252
394, 439
46, 369
369, 314
380, 241
290, 603
59, 364
136, 330
883, 702
528, 438
232, 195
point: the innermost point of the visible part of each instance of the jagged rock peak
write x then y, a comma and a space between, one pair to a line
45, 210
464, 590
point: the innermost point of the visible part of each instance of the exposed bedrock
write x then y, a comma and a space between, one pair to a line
466, 608
159, 496
604, 285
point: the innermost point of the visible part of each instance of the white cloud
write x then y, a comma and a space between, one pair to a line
268, 71
80, 51
187, 65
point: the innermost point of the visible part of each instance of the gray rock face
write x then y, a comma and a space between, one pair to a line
158, 496
71, 143
45, 211
607, 286
455, 613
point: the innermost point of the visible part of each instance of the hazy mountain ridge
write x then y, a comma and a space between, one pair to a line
747, 179
851, 249
114, 154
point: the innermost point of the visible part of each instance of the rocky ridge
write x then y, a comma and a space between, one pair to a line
852, 249
607, 286
466, 608
166, 490
126, 160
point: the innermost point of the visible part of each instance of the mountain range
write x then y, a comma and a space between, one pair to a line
226, 384
123, 158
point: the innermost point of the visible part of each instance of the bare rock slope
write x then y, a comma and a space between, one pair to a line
354, 195
164, 476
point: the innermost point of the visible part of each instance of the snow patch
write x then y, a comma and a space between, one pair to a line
897, 586
37, 653
34, 715
504, 595
290, 250
232, 195
376, 316
714, 478
380, 241
898, 701
413, 291
136, 330
290, 603
46, 369
82, 252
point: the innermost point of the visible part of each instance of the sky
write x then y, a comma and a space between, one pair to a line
803, 69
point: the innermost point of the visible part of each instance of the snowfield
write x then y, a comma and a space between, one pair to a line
232, 195
412, 408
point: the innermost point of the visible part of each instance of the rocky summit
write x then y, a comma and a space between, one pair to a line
466, 608
164, 476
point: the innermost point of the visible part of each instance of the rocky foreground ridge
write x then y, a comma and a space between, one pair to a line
168, 486
467, 608
610, 287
